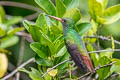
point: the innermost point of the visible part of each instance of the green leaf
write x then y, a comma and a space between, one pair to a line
112, 14
62, 58
14, 30
104, 72
83, 27
95, 58
52, 72
35, 32
34, 74
36, 46
47, 6
48, 42
9, 41
2, 32
61, 52
2, 15
41, 20
96, 9
13, 20
72, 4
116, 66
107, 54
43, 62
26, 24
60, 8
74, 14
67, 2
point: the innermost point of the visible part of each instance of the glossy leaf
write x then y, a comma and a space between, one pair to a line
67, 2
74, 14
60, 8
37, 48
13, 20
41, 20
14, 30
35, 32
34, 74
2, 15
43, 62
107, 54
9, 41
112, 14
83, 27
64, 57
2, 32
61, 52
26, 24
71, 4
116, 66
96, 9
53, 72
47, 6
103, 2
48, 42
104, 72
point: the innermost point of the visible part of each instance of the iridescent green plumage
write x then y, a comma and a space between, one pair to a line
75, 45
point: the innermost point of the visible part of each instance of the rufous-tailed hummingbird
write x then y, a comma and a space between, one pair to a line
75, 45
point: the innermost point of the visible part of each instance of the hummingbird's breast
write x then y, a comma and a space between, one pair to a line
77, 50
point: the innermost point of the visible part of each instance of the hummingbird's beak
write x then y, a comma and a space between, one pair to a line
59, 19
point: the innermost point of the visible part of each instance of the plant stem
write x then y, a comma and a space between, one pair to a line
16, 70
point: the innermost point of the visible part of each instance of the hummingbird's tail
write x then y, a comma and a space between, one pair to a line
87, 61
81, 60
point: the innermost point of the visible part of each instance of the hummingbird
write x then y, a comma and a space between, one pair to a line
74, 44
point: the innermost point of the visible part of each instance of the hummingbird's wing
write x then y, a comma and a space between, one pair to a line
75, 54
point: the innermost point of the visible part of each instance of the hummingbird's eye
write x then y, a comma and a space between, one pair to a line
64, 21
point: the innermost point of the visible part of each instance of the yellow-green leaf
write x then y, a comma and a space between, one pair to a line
14, 30
53, 72
113, 44
96, 9
3, 64
60, 8
2, 15
2, 32
112, 14
74, 14
47, 6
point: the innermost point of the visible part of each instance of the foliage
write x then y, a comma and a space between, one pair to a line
47, 34
48, 40
7, 38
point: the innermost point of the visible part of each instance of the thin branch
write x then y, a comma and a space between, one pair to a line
108, 50
26, 35
32, 16
55, 66
21, 5
97, 68
88, 52
20, 59
103, 38
16, 70
21, 53
88, 73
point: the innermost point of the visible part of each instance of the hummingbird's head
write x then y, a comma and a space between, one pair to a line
66, 22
